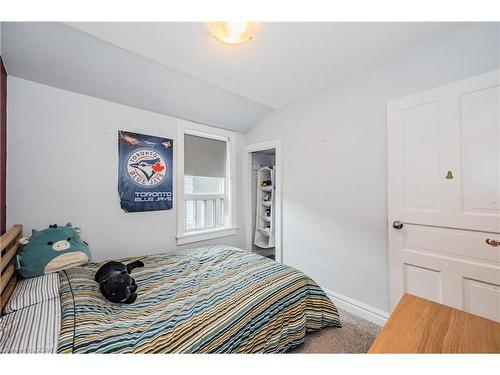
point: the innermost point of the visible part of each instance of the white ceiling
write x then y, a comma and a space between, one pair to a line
179, 69
282, 63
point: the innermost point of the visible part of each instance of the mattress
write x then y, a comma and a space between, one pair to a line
214, 299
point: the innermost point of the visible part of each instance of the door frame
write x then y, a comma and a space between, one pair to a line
249, 149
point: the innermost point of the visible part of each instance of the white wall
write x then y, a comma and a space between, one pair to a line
334, 163
63, 166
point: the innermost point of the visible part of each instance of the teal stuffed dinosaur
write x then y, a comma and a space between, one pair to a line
51, 250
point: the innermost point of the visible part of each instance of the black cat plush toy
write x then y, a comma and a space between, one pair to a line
115, 281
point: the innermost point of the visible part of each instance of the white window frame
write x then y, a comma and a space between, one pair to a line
216, 198
187, 127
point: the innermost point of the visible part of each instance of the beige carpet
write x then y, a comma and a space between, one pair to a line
355, 336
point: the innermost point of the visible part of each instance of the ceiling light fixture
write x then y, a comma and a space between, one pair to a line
232, 32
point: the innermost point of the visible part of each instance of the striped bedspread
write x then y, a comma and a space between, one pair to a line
214, 299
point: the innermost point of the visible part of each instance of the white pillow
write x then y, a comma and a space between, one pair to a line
32, 291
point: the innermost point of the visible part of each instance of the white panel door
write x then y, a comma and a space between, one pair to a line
444, 195
444, 155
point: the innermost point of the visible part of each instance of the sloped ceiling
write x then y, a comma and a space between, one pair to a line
179, 69
61, 56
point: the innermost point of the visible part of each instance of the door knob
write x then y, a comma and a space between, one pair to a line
492, 242
397, 224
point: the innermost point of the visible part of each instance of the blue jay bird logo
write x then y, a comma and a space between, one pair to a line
146, 167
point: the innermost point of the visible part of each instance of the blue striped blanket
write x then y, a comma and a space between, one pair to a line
214, 299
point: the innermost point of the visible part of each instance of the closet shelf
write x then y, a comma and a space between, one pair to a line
263, 245
264, 222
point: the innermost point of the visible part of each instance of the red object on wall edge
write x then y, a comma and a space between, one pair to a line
3, 145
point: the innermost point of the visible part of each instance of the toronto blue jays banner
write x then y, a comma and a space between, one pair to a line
145, 172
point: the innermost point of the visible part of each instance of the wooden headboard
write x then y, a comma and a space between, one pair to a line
9, 246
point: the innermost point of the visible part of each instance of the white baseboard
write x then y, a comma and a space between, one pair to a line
358, 308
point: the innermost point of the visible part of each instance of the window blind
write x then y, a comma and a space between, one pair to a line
204, 157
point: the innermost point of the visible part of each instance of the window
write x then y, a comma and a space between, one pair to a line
205, 185
204, 197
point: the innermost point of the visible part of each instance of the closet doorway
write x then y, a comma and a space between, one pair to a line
263, 199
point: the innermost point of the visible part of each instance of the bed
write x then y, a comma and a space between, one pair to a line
215, 299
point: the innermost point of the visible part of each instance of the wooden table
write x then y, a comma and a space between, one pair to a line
421, 326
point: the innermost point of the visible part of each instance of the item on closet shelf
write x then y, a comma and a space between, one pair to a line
51, 250
115, 281
266, 218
